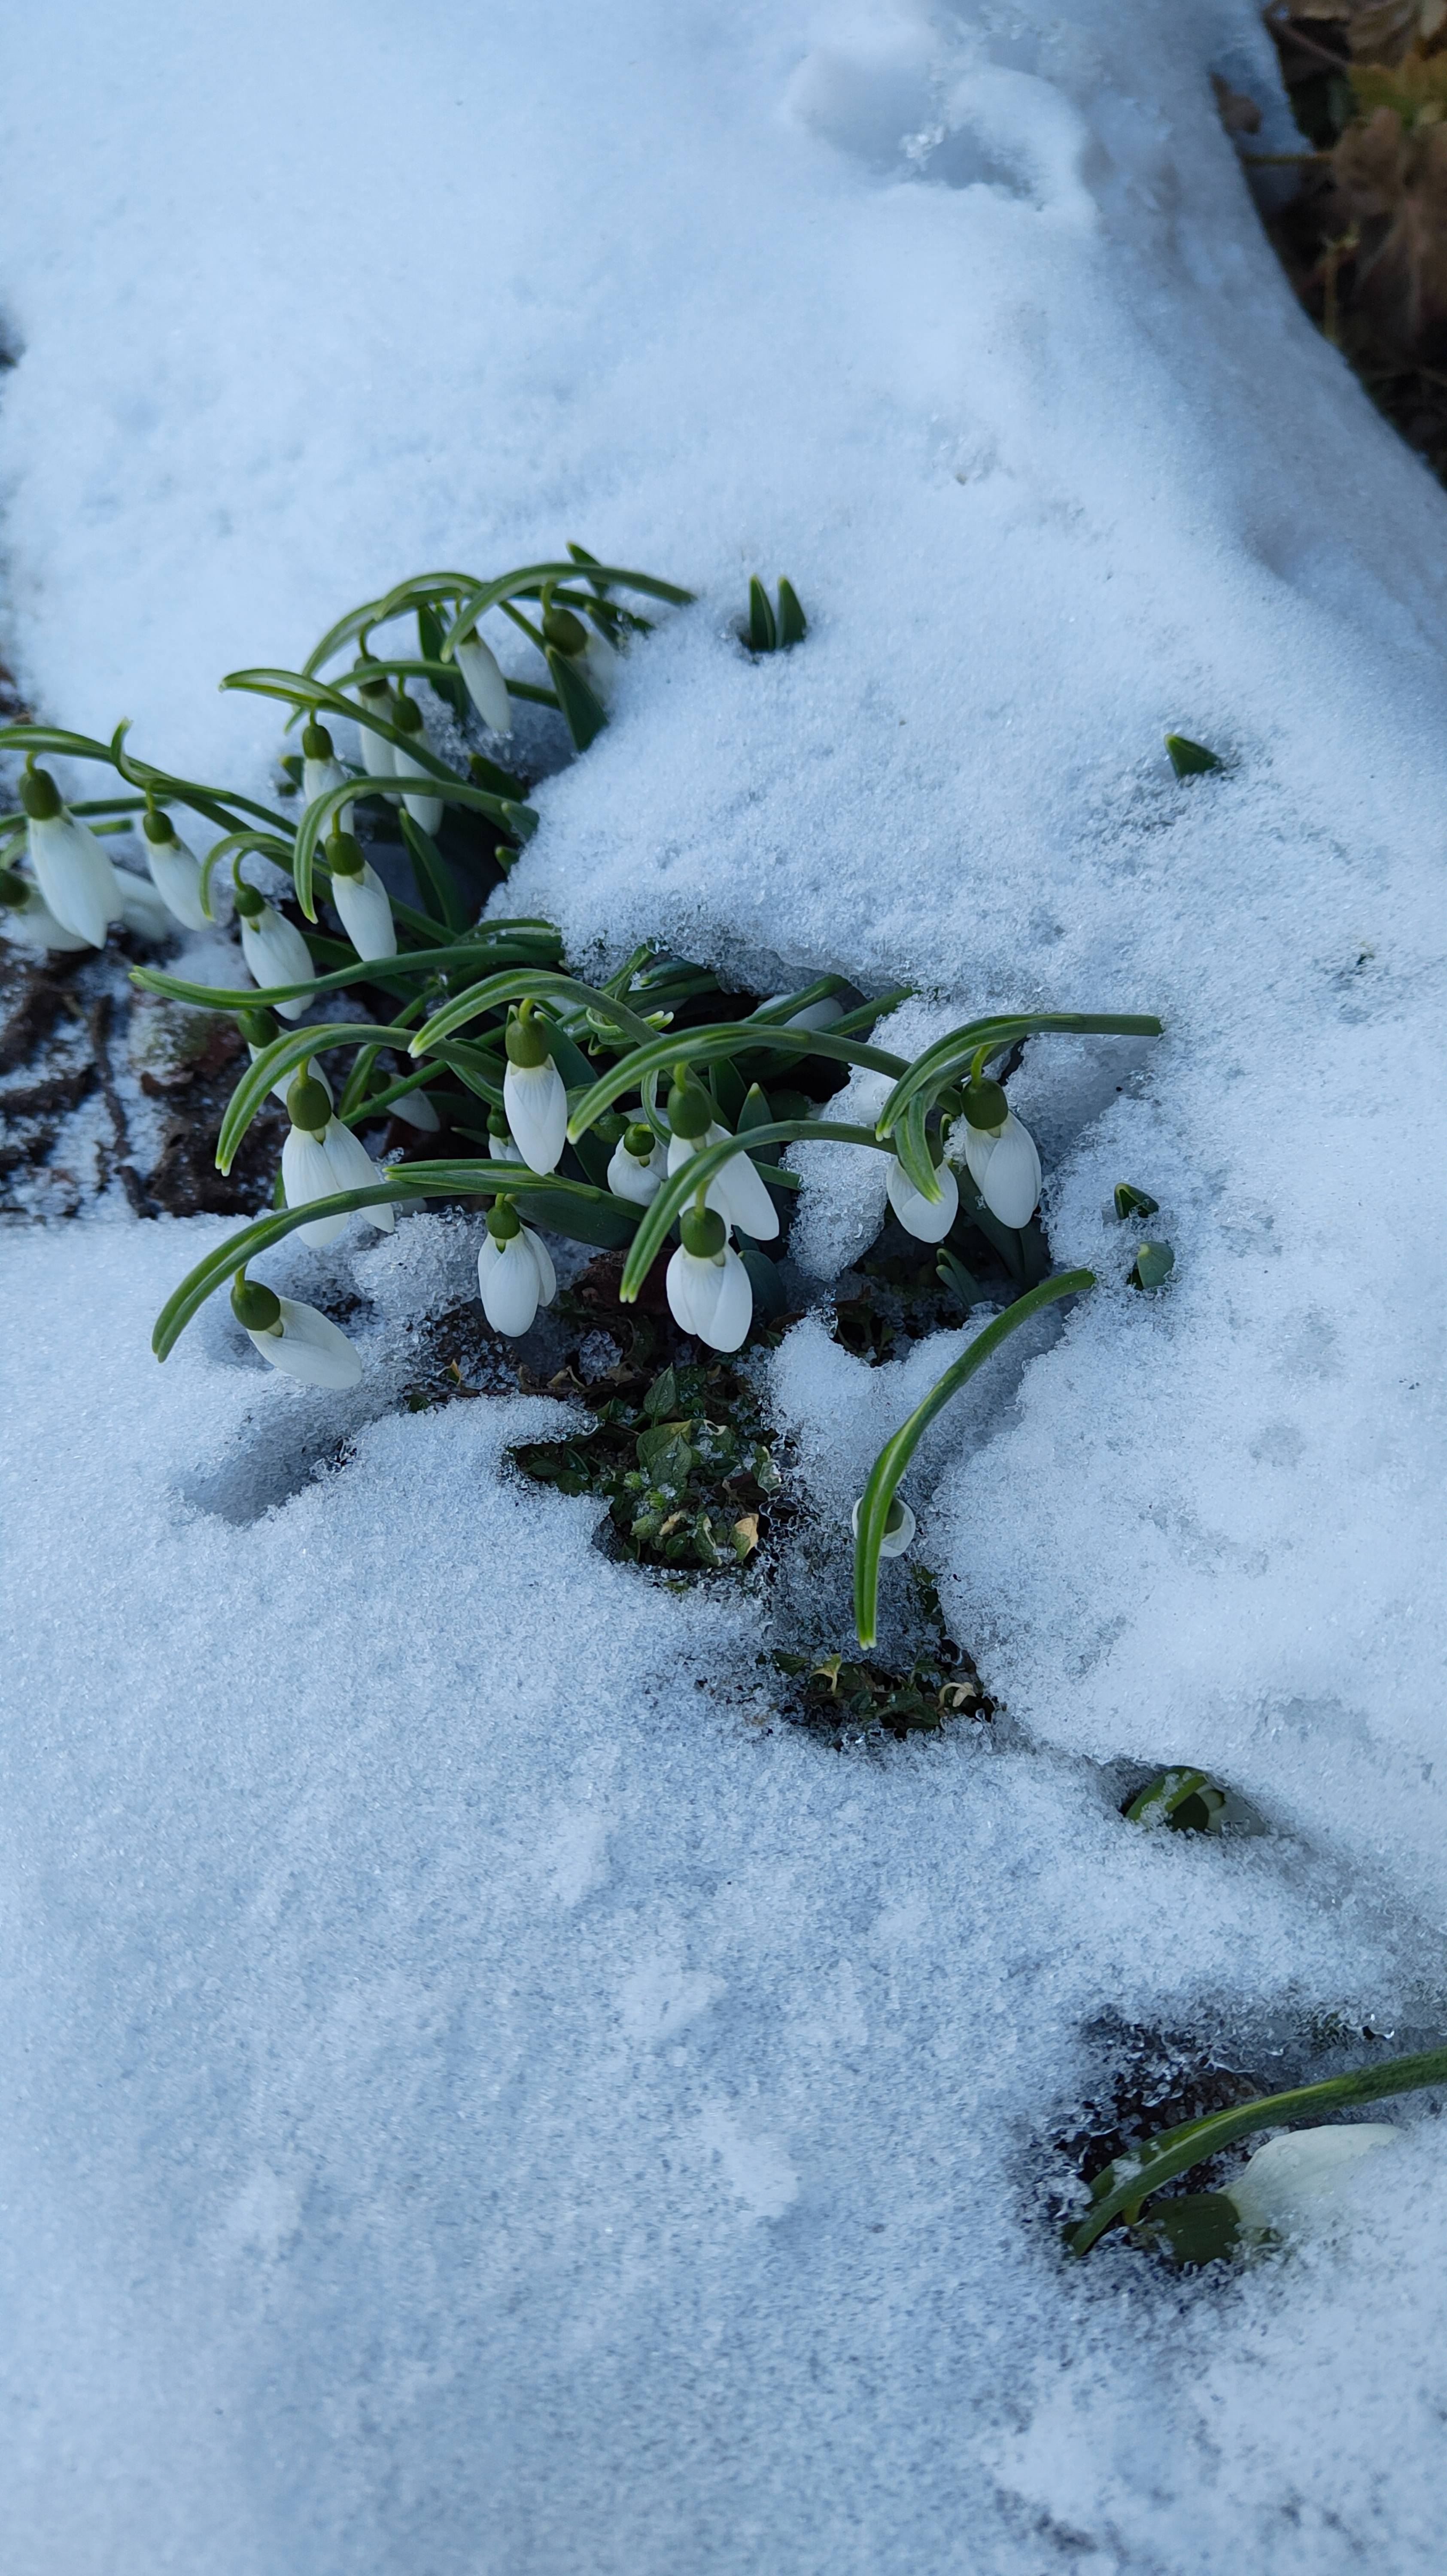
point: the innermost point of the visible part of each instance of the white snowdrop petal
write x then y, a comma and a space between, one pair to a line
928, 1220
176, 875
317, 777
894, 1541
310, 1347
692, 1287
276, 953
536, 1103
416, 1110
1010, 1182
482, 678
352, 1168
426, 811
630, 1179
547, 1275
76, 879
374, 750
510, 1286
503, 1150
366, 913
34, 925
733, 1307
306, 1174
740, 1195
1291, 2178
144, 908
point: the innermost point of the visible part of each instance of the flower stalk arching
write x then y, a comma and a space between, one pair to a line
894, 1457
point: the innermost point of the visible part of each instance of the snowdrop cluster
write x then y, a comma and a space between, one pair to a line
642, 1116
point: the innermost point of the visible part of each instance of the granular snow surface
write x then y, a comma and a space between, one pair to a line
482, 2097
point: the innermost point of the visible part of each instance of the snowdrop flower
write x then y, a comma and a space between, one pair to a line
175, 871
533, 1094
815, 1015
321, 769
899, 1527
484, 683
376, 751
143, 908
928, 1220
708, 1286
737, 1192
261, 1029
321, 1157
293, 1338
515, 1273
499, 1139
1292, 2179
274, 949
637, 1166
25, 915
426, 811
360, 897
999, 1152
76, 880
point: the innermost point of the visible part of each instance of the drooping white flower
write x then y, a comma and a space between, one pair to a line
1295, 2178
175, 871
928, 1220
360, 897
484, 683
426, 811
1005, 1168
533, 1094
515, 1273
499, 1139
709, 1290
295, 1338
274, 949
26, 916
143, 908
376, 751
899, 1527
738, 1192
637, 1166
815, 1015
321, 1157
261, 1029
321, 769
76, 879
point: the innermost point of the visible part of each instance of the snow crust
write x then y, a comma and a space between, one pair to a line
481, 2099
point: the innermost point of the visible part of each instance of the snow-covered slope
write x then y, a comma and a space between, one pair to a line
483, 2105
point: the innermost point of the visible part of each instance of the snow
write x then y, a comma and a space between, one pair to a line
481, 2095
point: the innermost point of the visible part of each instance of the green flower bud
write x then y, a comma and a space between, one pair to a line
638, 1141
406, 714
258, 1027
14, 892
690, 1110
497, 1125
703, 1233
525, 1042
307, 1105
157, 827
565, 632
249, 903
255, 1306
344, 855
985, 1106
503, 1221
39, 795
316, 742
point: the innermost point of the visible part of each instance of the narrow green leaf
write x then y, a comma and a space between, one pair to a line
519, 984
1190, 759
793, 624
434, 876
763, 635
477, 952
448, 684
950, 1055
274, 1062
911, 1143
894, 1457
583, 711
701, 1046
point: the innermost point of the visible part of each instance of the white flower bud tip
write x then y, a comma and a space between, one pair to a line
928, 1220
308, 1346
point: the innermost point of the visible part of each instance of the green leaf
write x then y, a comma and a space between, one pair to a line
1131, 2179
700, 1046
448, 684
793, 624
770, 1301
1172, 1796
1190, 759
284, 1054
519, 984
911, 1144
1194, 2228
894, 1457
1129, 1201
478, 952
434, 877
1154, 1263
953, 1275
528, 583
583, 711
763, 635
950, 1055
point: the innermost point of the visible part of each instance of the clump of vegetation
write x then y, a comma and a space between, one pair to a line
854, 1697
685, 1465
